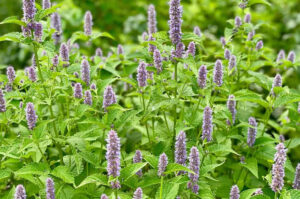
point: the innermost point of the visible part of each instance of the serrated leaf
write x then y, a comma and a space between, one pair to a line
247, 193
208, 168
98, 179
286, 98
251, 165
33, 169
13, 36
13, 20
131, 170
63, 173
174, 167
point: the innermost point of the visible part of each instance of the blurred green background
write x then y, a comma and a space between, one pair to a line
126, 20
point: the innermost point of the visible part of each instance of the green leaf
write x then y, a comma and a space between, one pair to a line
174, 167
98, 179
13, 20
221, 149
208, 168
247, 193
63, 173
89, 157
253, 2
261, 197
33, 169
295, 194
286, 98
4, 173
13, 36
102, 34
251, 165
131, 170
246, 95
151, 159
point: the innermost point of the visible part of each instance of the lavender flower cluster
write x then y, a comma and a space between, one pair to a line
278, 168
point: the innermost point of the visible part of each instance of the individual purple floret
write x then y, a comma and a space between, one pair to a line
55, 61
151, 20
179, 50
259, 45
237, 21
278, 168
157, 60
20, 105
162, 165
103, 196
192, 49
247, 18
50, 191
32, 74
235, 192
31, 116
99, 52
38, 32
88, 98
93, 86
218, 73
252, 132
277, 82
11, 74
197, 31
20, 192
250, 35
120, 49
136, 159
207, 126
26, 31
258, 192
232, 63
280, 56
78, 91
113, 157
202, 74
291, 56
151, 47
138, 194
194, 166
296, 184
175, 13
8, 87
227, 54
46, 4
180, 148
85, 71
231, 104
64, 54
88, 23
29, 10
223, 41
56, 24
109, 97
2, 102
142, 74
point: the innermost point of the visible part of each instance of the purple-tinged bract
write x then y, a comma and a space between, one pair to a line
180, 148
38, 32
11, 74
278, 168
247, 18
20, 192
157, 60
138, 194
142, 74
277, 82
192, 49
202, 74
296, 184
136, 159
227, 54
31, 116
259, 45
2, 102
218, 73
78, 91
85, 71
109, 97
151, 20
207, 126
175, 13
197, 31
88, 23
64, 54
238, 21
162, 164
46, 4
29, 10
32, 74
113, 157
194, 166
231, 104
50, 191
252, 132
235, 192
291, 56
88, 98
280, 56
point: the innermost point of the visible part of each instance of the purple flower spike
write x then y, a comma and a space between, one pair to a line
277, 82
194, 166
145, 36
78, 91
31, 116
113, 157
278, 168
138, 194
85, 72
56, 24
103, 196
151, 47
88, 23
280, 56
50, 191
223, 41
136, 159
109, 97
151, 20
142, 74
162, 165
64, 54
120, 49
207, 126
227, 54
99, 52
296, 184
26, 31
175, 13
93, 86
218, 73
46, 4
231, 104
259, 45
252, 132
235, 192
2, 102
250, 35
247, 18
232, 62
32, 74
291, 56
238, 21
197, 31
157, 60
29, 10
298, 107
202, 74
192, 48
88, 98
38, 32
179, 50
180, 148
55, 61
20, 192
11, 74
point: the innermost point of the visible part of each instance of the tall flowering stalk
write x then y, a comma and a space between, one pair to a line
235, 192
11, 74
85, 71
231, 105
194, 166
29, 10
38, 32
88, 23
113, 157
202, 74
56, 24
278, 168
78, 91
2, 102
136, 159
162, 164
296, 184
50, 191
109, 97
179, 50
191, 49
180, 148
32, 74
157, 60
151, 47
88, 98
218, 73
207, 126
64, 54
31, 116
227, 54
175, 13
252, 132
20, 192
46, 4
138, 194
142, 74
151, 20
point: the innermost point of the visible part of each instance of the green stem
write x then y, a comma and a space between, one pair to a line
165, 118
268, 113
275, 197
146, 123
40, 150
153, 128
116, 193
161, 186
175, 109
